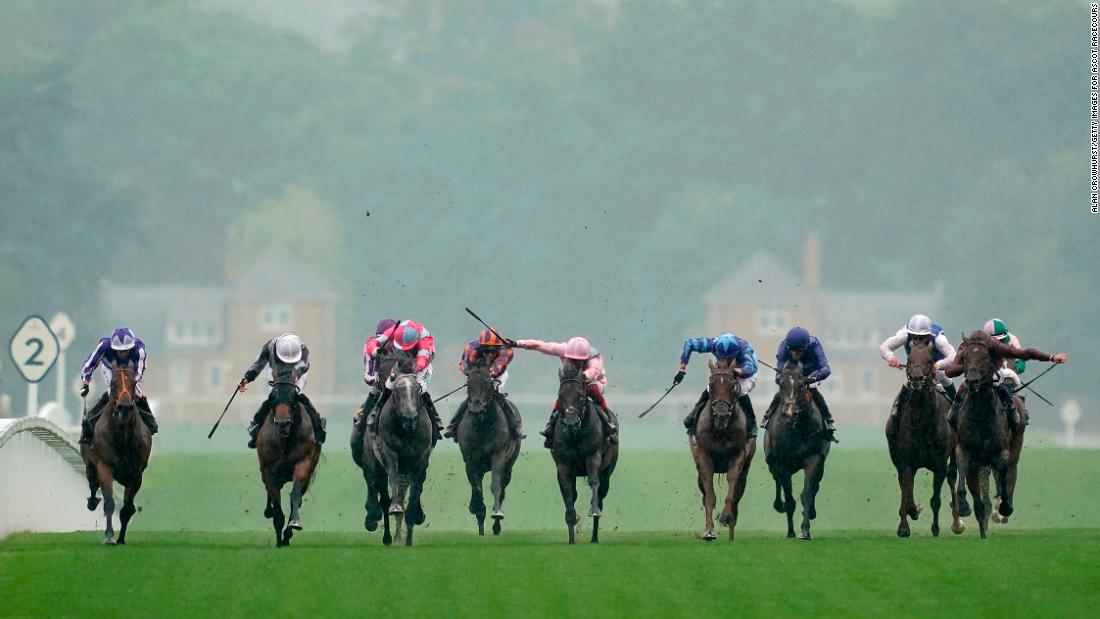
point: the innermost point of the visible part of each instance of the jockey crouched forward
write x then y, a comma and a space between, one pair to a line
288, 357
122, 349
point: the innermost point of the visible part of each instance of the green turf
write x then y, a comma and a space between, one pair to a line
1050, 573
651, 491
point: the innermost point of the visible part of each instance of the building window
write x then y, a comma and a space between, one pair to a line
193, 333
772, 319
181, 377
275, 317
869, 385
216, 373
834, 385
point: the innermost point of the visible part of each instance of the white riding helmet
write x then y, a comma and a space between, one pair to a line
919, 324
122, 339
288, 348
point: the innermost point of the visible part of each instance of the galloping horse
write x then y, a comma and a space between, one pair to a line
120, 448
920, 437
395, 455
985, 439
580, 448
721, 444
796, 440
287, 451
487, 444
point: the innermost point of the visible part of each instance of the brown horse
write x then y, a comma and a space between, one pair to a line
394, 458
288, 451
487, 444
986, 442
796, 440
120, 448
920, 437
579, 448
721, 445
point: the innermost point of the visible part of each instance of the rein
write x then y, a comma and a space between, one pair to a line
713, 400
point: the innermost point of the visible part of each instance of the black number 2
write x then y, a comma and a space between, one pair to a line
33, 359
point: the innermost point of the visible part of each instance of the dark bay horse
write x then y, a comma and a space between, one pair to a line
487, 444
395, 457
287, 451
579, 448
920, 437
986, 441
120, 448
796, 440
721, 445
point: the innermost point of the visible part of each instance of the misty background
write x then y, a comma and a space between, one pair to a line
586, 167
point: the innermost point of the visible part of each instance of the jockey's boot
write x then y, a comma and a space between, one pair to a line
364, 412
437, 423
771, 409
87, 424
548, 431
257, 423
315, 419
950, 390
826, 416
610, 426
898, 400
750, 416
147, 414
693, 416
515, 422
1010, 407
452, 428
953, 414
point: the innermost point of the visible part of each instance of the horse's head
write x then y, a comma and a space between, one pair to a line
920, 367
977, 360
284, 392
479, 388
123, 391
406, 400
723, 389
572, 396
794, 393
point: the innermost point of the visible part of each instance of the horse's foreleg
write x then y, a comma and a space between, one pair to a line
106, 488
393, 476
415, 513
592, 470
568, 486
302, 473
477, 495
938, 476
735, 479
705, 469
788, 503
1008, 489
971, 475
128, 509
92, 476
500, 462
905, 484
815, 469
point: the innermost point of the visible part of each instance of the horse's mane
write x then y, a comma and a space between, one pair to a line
978, 337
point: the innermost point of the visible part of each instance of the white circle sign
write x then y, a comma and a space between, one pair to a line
62, 326
34, 349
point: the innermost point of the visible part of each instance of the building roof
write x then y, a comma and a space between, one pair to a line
279, 277
761, 279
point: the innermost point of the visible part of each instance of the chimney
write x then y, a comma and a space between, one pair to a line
811, 263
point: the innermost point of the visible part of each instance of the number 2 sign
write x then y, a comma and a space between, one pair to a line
34, 349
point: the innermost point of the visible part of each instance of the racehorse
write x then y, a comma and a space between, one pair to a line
120, 448
395, 455
579, 448
920, 437
796, 440
720, 445
287, 451
487, 444
986, 442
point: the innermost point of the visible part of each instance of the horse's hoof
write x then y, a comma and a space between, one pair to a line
958, 527
397, 509
498, 515
804, 535
269, 513
790, 534
370, 525
496, 528
778, 506
109, 541
1005, 510
93, 502
295, 524
935, 531
594, 513
709, 536
725, 519
964, 509
903, 532
387, 540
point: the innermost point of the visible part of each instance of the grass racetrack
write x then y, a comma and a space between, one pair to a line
200, 546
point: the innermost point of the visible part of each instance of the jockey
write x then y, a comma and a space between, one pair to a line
289, 359
122, 349
804, 349
920, 327
370, 368
1010, 373
999, 354
496, 355
579, 354
412, 346
725, 346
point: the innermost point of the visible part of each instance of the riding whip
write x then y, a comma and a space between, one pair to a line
667, 391
1025, 385
212, 430
478, 318
446, 395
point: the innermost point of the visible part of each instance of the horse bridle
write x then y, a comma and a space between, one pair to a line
733, 376
584, 387
123, 390
981, 344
